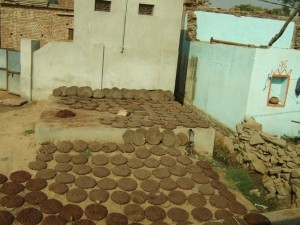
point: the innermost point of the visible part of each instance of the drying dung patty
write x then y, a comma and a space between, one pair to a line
218, 201
184, 160
155, 213
6, 218
100, 160
151, 162
153, 137
118, 160
236, 207
197, 200
200, 178
227, 194
177, 197
185, 183
138, 139
63, 167
234, 221
80, 146
109, 147
85, 182
127, 184
202, 214
76, 195
98, 195
167, 161
100, 171
223, 214
158, 150
256, 219
206, 189
95, 146
161, 173
177, 214
79, 159
46, 174
82, 169
66, 178
218, 185
116, 219
35, 197
135, 163
37, 165
51, 206
204, 164
48, 148
11, 188
168, 184
169, 139
12, 201
44, 157
138, 197
71, 212
107, 184
63, 158
122, 171
120, 197
54, 220
30, 216
174, 152
134, 212
157, 198
64, 146
95, 212
126, 148
142, 153
177, 170
3, 178
36, 184
128, 136
211, 174
183, 138
59, 188
149, 185
194, 169
84, 222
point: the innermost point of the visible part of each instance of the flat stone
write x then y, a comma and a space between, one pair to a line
178, 214
96, 212
185, 183
76, 195
120, 197
134, 212
155, 213
157, 198
116, 219
259, 166
100, 171
197, 200
138, 197
177, 197
13, 102
295, 173
256, 139
98, 195
107, 184
59, 188
71, 212
168, 184
127, 184
273, 140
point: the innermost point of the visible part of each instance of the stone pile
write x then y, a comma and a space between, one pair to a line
276, 160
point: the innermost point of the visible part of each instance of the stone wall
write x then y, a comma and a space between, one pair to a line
273, 158
44, 24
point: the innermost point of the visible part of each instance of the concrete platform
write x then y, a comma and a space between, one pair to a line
86, 125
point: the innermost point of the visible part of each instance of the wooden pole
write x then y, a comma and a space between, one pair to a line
277, 36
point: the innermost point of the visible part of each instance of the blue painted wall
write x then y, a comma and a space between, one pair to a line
275, 120
223, 80
246, 30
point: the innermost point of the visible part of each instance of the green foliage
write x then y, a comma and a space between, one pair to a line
27, 132
284, 11
245, 182
290, 3
222, 155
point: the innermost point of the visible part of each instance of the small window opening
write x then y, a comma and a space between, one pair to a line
145, 9
71, 34
278, 91
101, 5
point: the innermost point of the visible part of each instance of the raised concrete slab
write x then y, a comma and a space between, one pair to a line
85, 125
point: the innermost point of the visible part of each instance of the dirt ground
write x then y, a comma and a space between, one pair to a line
17, 143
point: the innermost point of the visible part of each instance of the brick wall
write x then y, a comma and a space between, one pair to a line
67, 4
44, 24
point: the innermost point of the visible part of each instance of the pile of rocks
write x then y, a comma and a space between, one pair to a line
114, 93
276, 160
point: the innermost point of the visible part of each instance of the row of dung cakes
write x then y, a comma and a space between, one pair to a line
114, 93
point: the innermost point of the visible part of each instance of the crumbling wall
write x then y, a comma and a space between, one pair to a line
67, 4
44, 24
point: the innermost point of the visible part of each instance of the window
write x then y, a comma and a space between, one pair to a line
145, 9
279, 85
71, 34
101, 5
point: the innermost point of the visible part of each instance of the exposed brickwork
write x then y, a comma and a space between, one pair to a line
44, 24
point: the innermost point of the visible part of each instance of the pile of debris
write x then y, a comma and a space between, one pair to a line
276, 160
